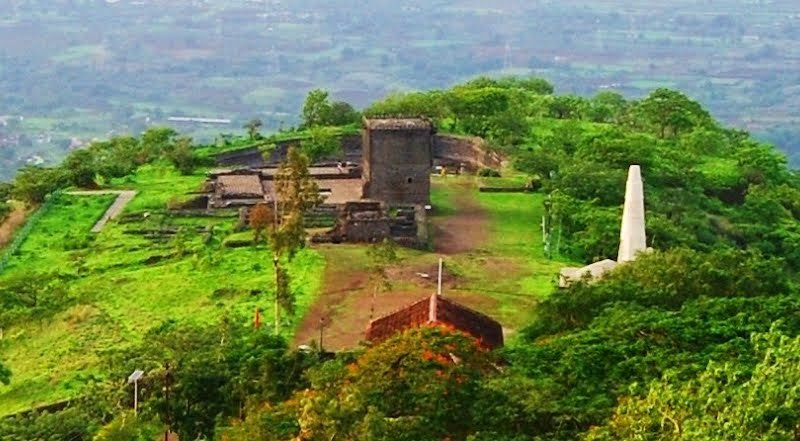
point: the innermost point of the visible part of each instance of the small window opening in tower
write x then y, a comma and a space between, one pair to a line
409, 180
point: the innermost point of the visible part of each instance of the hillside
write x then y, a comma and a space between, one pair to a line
714, 305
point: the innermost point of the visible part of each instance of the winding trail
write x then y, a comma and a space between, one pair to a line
124, 196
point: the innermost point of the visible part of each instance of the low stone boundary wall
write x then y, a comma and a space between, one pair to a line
469, 150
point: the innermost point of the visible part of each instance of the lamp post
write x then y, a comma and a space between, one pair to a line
134, 378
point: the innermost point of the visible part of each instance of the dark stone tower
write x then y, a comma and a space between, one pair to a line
397, 160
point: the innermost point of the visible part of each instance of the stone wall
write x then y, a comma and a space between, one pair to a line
447, 150
351, 150
251, 157
371, 221
397, 165
471, 151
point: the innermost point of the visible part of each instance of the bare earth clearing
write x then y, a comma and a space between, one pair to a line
345, 306
14, 221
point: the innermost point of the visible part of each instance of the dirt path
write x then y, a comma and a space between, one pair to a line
14, 221
114, 210
465, 230
346, 303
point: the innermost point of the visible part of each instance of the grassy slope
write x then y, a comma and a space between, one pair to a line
510, 268
120, 295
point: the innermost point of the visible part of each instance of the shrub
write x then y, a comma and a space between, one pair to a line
5, 210
488, 173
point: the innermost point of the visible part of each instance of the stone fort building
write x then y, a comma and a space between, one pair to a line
379, 186
397, 160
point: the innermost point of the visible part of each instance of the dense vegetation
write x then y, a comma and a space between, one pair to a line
709, 320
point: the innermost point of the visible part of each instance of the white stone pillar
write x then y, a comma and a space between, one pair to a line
632, 237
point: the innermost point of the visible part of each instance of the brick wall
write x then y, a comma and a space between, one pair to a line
409, 317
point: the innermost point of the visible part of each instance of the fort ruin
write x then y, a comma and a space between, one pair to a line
379, 187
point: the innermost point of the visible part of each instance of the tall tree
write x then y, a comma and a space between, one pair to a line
381, 255
296, 193
155, 143
316, 109
342, 113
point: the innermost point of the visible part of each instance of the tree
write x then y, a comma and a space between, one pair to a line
80, 168
33, 183
342, 113
156, 142
316, 109
567, 107
725, 402
671, 112
419, 385
213, 370
538, 86
381, 255
182, 156
606, 107
261, 219
116, 157
321, 143
253, 126
296, 193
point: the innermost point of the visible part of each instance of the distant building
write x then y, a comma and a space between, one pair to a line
437, 310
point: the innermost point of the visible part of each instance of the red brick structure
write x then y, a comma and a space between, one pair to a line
438, 310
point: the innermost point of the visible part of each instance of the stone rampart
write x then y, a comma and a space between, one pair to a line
469, 150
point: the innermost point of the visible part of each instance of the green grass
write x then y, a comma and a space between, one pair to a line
157, 184
443, 199
59, 233
510, 267
124, 284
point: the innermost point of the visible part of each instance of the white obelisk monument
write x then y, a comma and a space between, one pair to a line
632, 237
